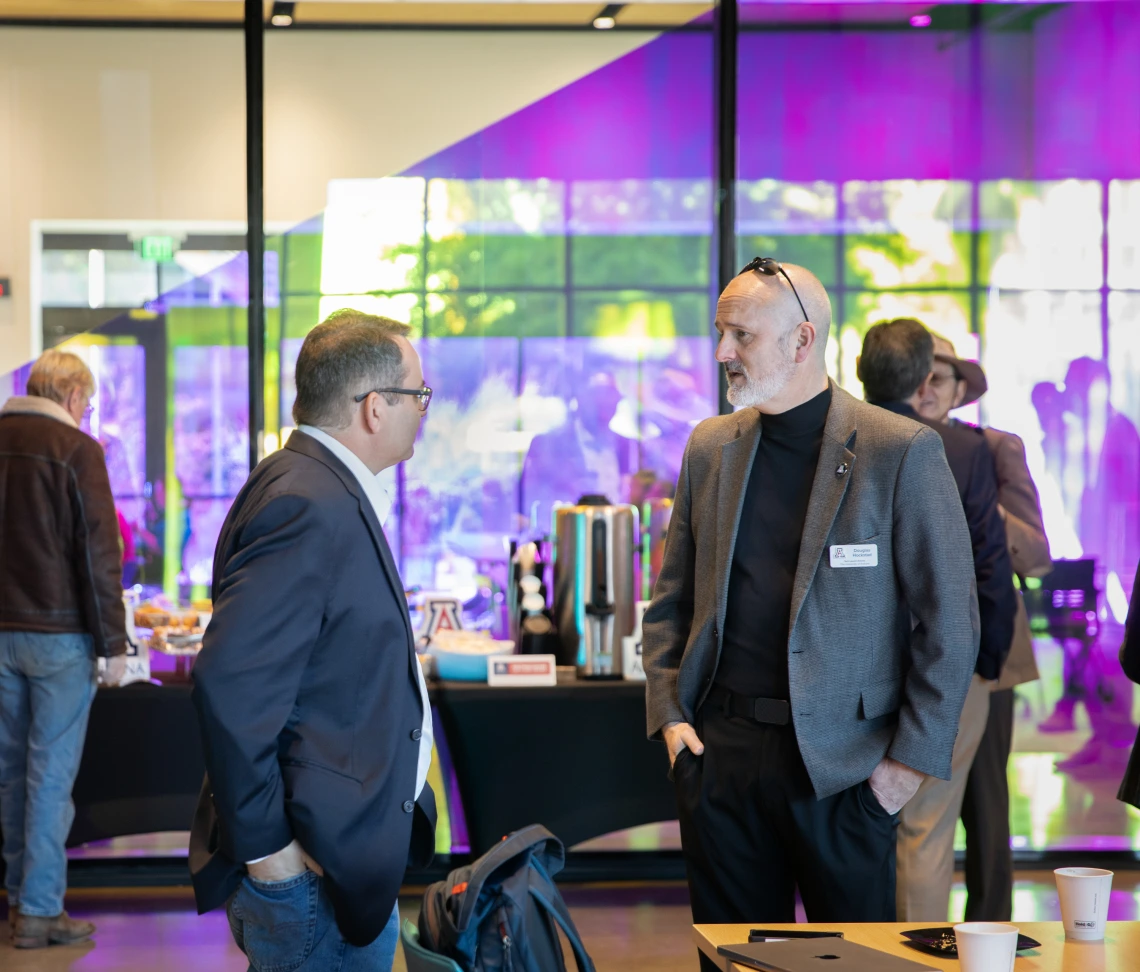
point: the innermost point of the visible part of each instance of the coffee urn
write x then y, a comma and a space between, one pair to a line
594, 593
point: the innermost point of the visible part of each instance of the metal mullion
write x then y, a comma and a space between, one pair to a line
568, 259
839, 305
1104, 288
254, 32
726, 38
425, 246
917, 289
593, 288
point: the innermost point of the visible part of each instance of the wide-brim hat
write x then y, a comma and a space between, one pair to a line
968, 371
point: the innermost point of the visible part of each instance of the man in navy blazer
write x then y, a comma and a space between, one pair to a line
312, 706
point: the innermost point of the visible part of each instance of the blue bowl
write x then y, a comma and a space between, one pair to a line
454, 666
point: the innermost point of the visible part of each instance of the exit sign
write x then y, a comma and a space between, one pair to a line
5, 287
157, 248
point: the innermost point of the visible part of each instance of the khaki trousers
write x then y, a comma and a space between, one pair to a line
925, 868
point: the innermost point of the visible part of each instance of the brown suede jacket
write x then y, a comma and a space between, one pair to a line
60, 546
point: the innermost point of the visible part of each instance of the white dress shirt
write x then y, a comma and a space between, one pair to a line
382, 505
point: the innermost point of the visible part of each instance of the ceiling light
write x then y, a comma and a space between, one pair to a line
607, 16
920, 20
282, 14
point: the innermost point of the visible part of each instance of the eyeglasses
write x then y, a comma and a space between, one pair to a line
769, 267
938, 378
423, 395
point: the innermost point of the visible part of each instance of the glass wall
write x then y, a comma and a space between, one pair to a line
976, 167
555, 268
554, 265
171, 407
122, 180
542, 216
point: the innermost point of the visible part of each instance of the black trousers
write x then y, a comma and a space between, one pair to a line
985, 815
752, 831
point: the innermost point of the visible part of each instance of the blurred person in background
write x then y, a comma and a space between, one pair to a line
1097, 451
584, 455
61, 605
895, 367
985, 808
127, 535
1107, 454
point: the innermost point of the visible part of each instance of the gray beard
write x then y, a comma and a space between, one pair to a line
757, 391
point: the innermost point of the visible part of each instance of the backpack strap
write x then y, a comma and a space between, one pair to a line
556, 908
534, 840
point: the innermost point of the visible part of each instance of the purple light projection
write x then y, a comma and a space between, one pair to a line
1061, 100
225, 286
999, 117
1056, 99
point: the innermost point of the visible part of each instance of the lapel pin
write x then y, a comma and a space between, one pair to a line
842, 469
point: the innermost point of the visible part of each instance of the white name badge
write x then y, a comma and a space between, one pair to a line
855, 555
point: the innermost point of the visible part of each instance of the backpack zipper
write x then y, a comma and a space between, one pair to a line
508, 965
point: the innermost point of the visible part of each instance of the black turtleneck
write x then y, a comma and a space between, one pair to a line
754, 658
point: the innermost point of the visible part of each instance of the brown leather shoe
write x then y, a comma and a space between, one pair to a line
33, 932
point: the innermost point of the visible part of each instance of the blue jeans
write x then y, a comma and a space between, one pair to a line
283, 926
47, 682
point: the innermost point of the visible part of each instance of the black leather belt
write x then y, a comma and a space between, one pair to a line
772, 712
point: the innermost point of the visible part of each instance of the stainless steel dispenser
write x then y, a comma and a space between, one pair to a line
594, 592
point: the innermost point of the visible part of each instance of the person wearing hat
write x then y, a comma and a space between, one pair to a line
985, 808
895, 366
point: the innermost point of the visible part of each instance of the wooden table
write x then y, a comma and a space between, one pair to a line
1119, 952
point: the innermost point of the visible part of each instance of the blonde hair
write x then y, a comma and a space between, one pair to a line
56, 374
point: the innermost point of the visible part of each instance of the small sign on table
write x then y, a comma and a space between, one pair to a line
522, 670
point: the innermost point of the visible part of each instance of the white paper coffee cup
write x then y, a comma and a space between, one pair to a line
986, 946
1084, 893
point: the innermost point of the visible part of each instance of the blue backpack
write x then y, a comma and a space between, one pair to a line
503, 913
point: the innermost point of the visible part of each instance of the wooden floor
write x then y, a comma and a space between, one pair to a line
624, 927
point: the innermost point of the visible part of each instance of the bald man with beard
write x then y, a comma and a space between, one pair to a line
814, 628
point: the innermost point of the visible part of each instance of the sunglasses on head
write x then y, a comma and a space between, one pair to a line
769, 267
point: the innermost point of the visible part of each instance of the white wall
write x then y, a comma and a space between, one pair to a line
149, 125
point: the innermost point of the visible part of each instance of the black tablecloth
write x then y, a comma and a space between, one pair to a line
572, 757
142, 763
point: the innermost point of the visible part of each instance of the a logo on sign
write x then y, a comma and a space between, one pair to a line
443, 615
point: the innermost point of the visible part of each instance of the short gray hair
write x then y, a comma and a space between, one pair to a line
897, 356
350, 352
56, 374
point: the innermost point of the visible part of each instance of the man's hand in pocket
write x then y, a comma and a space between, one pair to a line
894, 783
678, 736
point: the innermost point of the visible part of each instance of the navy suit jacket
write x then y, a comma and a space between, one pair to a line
306, 692
972, 464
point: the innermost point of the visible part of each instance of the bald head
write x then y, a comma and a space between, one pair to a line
770, 298
772, 349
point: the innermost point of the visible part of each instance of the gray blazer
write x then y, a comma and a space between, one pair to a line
880, 658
